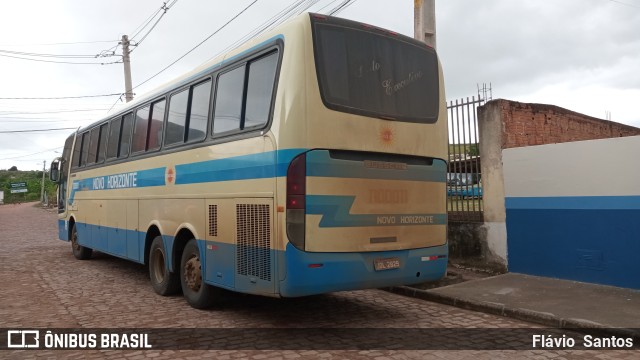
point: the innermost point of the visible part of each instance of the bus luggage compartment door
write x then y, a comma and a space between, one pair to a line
365, 201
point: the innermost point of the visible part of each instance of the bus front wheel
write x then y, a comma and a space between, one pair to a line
163, 281
80, 252
198, 294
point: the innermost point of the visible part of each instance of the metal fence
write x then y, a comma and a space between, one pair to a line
464, 178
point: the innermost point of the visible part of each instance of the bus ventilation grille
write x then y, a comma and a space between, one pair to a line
213, 220
253, 256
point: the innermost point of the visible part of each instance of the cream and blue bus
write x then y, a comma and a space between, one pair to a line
311, 159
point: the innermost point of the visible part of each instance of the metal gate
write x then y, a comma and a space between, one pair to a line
464, 178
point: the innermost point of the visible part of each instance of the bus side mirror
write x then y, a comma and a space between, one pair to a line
54, 172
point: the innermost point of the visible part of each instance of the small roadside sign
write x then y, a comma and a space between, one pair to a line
15, 191
18, 185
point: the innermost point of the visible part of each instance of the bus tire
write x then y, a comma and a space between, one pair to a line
197, 293
163, 281
80, 252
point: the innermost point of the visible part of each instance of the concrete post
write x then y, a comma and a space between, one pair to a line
491, 131
424, 21
128, 92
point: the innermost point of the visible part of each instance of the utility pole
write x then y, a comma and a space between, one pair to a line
424, 21
44, 166
128, 92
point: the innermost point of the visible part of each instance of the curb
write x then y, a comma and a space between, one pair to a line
537, 317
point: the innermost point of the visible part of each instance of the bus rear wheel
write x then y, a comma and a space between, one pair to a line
163, 281
80, 252
198, 294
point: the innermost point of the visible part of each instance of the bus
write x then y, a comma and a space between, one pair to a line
311, 159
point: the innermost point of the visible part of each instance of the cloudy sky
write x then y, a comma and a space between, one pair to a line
583, 55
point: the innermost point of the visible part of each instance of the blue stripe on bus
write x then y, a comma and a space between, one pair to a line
63, 231
254, 166
338, 271
127, 244
335, 211
130, 179
354, 270
319, 163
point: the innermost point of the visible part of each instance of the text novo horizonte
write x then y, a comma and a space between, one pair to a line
118, 181
405, 219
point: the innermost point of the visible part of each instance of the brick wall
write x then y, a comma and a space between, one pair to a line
538, 124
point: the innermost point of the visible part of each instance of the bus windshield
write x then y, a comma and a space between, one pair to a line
369, 72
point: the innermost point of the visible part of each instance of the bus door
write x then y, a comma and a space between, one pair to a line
59, 173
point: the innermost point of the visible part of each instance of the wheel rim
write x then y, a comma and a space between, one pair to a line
158, 265
193, 274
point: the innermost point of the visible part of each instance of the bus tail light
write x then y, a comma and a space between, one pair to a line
296, 192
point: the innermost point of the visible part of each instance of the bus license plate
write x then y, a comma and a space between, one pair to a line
386, 264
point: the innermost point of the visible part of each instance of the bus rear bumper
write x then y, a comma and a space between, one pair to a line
311, 273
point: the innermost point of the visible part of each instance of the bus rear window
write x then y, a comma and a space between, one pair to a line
372, 73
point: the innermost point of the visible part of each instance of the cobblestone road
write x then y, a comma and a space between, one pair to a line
43, 286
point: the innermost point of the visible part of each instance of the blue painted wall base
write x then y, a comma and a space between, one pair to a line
590, 245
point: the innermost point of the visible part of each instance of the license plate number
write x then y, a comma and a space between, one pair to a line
386, 264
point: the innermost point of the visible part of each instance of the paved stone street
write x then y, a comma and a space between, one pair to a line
44, 286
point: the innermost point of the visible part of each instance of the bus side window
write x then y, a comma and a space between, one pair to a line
93, 146
155, 125
229, 94
114, 138
102, 144
77, 150
176, 121
139, 142
84, 149
262, 75
199, 112
125, 136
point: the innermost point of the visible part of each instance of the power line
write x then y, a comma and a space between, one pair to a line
58, 98
62, 43
33, 130
36, 153
61, 62
198, 45
326, 6
3, 113
33, 120
114, 104
164, 10
625, 4
61, 56
280, 17
345, 4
